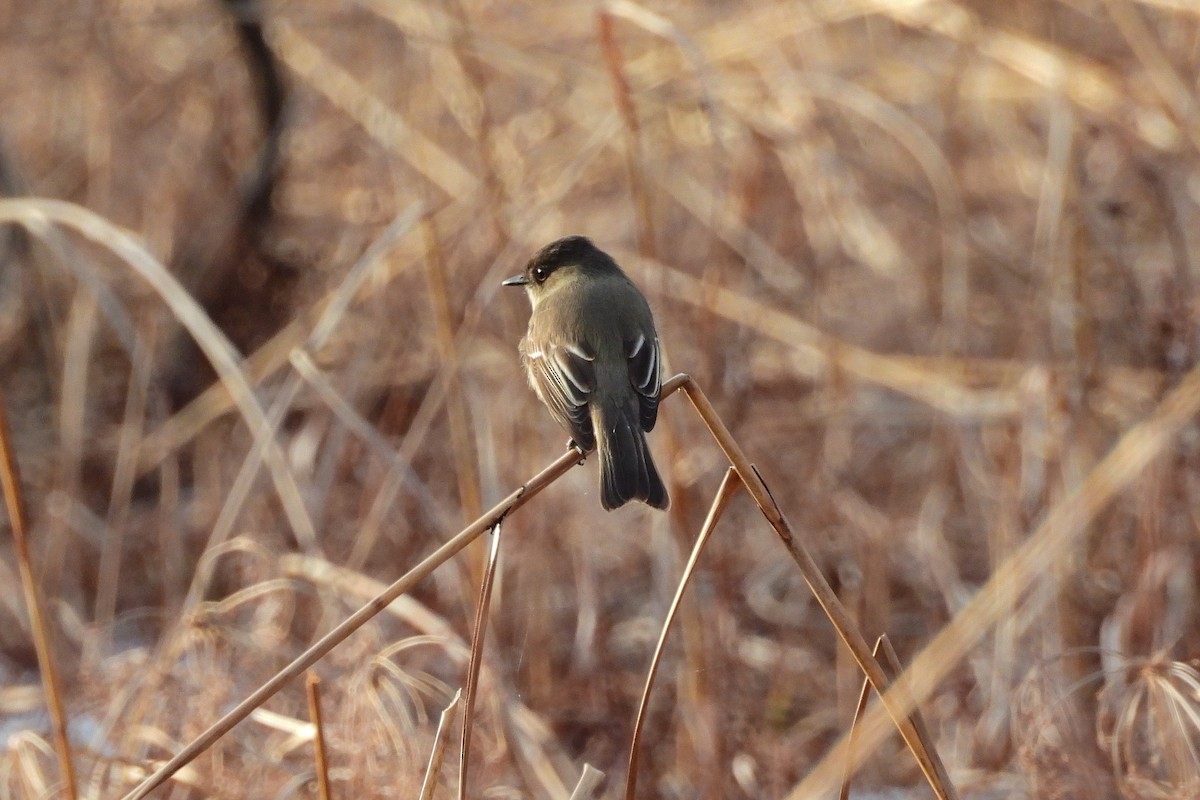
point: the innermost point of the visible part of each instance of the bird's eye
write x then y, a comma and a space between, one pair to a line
540, 274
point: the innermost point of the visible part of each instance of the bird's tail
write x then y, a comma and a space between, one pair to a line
626, 469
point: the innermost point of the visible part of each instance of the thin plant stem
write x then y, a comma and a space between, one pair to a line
864, 694
926, 758
312, 685
476, 659
623, 97
402, 585
440, 739
589, 783
15, 502
882, 645
456, 405
1047, 544
220, 352
729, 486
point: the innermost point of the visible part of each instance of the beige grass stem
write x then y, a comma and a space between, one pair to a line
476, 660
864, 695
440, 740
402, 585
15, 502
456, 405
930, 383
882, 645
1171, 87
1047, 545
926, 757
356, 620
837, 614
124, 473
589, 784
323, 328
729, 486
312, 686
36, 213
623, 97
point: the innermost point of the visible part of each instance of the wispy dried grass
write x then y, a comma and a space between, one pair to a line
933, 262
1155, 742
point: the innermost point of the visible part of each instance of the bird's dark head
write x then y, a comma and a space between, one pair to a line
556, 261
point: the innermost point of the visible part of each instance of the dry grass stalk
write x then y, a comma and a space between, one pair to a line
356, 620
634, 156
125, 471
1149, 718
10, 480
312, 686
589, 783
438, 753
338, 301
1155, 744
464, 456
930, 261
896, 705
217, 399
1052, 736
35, 214
478, 637
1140, 445
729, 486
928, 761
892, 661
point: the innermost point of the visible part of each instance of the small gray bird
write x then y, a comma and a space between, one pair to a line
592, 356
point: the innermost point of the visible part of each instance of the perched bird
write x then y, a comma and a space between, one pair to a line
592, 356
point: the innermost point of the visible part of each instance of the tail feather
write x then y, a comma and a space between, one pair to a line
627, 470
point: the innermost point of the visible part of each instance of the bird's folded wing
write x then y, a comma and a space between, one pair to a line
645, 374
565, 378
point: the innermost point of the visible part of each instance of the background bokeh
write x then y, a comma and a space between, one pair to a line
929, 260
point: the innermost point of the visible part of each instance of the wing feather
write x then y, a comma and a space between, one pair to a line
564, 379
645, 374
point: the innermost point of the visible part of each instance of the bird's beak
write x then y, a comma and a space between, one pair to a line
515, 280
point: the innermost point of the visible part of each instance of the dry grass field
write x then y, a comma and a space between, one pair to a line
935, 265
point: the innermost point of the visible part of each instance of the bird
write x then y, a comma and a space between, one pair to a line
593, 358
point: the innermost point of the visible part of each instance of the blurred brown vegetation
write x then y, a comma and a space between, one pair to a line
930, 260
